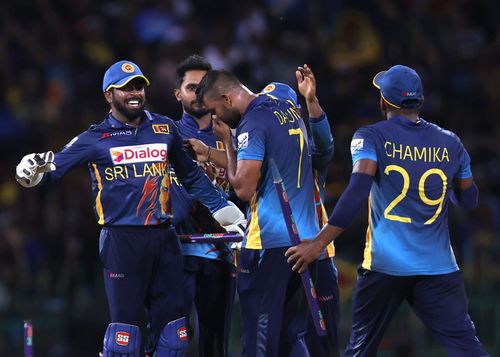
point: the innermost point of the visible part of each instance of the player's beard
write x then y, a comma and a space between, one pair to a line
194, 109
231, 117
129, 113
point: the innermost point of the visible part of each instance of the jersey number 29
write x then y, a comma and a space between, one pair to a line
421, 192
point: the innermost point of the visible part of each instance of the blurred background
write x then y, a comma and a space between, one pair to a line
53, 57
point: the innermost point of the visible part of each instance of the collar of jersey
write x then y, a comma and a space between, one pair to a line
115, 123
407, 122
255, 102
190, 122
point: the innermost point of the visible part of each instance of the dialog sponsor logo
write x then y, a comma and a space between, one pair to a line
122, 338
138, 153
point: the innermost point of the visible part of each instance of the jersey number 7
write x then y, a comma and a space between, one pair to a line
298, 131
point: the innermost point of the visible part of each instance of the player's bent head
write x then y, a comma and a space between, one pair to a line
400, 88
192, 63
215, 84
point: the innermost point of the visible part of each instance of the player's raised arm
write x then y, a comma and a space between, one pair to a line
306, 83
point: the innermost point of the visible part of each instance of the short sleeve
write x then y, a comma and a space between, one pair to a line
362, 146
251, 141
464, 170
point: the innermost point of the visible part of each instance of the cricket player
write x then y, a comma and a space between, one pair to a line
128, 156
410, 169
273, 304
322, 148
209, 272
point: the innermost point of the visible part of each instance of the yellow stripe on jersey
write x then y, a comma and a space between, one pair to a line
367, 261
253, 237
98, 205
330, 249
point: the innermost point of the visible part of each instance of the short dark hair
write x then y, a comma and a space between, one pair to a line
215, 83
192, 63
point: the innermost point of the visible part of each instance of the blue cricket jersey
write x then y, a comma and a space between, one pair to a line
408, 205
189, 217
271, 128
129, 169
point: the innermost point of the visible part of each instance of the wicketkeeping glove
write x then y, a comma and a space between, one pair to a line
29, 172
231, 218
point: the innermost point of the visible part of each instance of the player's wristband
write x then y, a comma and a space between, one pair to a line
465, 198
208, 155
351, 200
315, 120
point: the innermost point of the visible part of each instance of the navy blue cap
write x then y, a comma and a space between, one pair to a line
281, 91
120, 73
400, 86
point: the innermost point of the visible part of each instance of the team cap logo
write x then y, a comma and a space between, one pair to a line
269, 88
128, 67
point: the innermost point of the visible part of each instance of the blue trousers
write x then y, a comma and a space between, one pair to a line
211, 285
438, 300
274, 308
143, 270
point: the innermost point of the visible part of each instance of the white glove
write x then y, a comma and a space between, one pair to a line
231, 218
29, 172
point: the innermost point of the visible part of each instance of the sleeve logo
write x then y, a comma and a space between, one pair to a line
68, 145
242, 140
356, 145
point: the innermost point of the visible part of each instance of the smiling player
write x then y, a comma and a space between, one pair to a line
128, 156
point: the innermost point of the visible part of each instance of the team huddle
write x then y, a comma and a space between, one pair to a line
155, 179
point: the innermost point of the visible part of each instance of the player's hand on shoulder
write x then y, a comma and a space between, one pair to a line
29, 172
300, 256
231, 218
